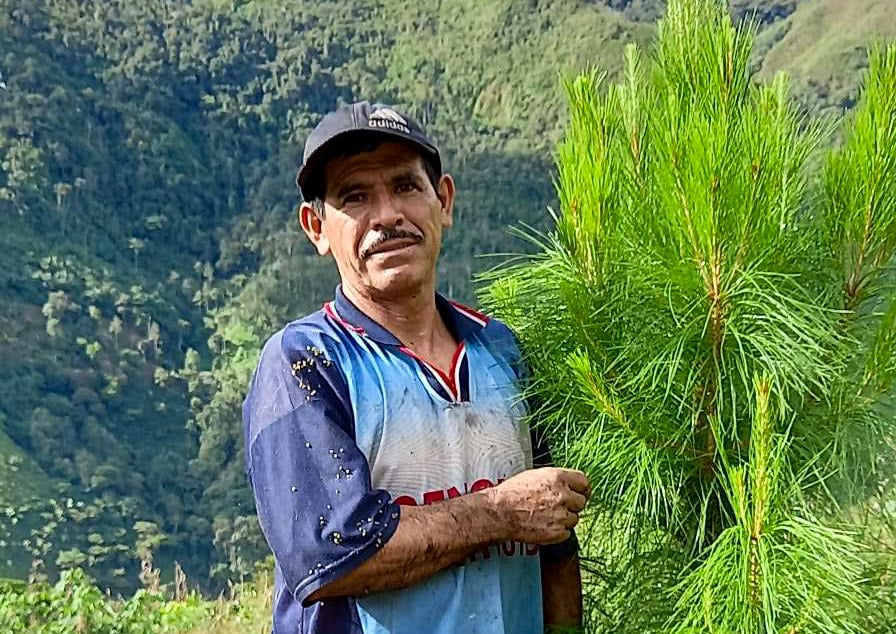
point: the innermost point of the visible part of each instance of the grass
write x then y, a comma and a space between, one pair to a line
247, 609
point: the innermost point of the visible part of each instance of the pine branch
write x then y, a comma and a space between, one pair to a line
691, 257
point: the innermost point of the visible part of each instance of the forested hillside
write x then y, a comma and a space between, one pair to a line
147, 236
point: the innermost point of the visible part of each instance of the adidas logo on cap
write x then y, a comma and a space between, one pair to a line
388, 118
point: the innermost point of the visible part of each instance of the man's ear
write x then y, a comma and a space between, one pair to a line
313, 226
445, 193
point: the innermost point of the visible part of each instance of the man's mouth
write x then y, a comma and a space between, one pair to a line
392, 244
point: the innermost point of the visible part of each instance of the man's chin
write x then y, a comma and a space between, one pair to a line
396, 280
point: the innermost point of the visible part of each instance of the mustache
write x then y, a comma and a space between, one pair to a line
389, 234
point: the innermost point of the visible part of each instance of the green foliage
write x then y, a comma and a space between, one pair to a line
718, 311
75, 604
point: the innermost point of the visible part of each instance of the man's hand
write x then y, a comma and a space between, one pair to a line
541, 506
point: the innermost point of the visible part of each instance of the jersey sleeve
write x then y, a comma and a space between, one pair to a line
317, 509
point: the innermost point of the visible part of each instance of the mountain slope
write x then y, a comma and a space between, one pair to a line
21, 481
147, 234
823, 46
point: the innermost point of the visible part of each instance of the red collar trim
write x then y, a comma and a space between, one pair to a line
330, 309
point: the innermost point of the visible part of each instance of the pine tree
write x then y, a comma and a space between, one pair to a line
711, 329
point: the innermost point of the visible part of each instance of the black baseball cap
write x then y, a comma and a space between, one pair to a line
361, 119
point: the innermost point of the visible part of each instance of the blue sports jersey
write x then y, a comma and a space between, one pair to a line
343, 426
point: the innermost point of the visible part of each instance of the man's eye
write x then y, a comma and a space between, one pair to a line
353, 198
407, 187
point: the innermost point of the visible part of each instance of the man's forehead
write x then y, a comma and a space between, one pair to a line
386, 161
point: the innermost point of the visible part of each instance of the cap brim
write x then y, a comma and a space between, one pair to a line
305, 179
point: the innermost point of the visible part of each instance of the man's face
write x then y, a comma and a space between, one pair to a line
383, 221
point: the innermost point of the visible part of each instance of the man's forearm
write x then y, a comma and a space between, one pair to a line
428, 539
561, 591
538, 506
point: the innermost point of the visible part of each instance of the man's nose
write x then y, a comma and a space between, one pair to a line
386, 211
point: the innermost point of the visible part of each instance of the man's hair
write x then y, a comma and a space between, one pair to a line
353, 147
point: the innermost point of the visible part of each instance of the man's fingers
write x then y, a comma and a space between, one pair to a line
571, 520
577, 481
562, 537
575, 501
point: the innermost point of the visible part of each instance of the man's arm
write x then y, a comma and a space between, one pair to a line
539, 506
561, 589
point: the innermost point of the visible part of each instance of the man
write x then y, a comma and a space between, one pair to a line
385, 435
